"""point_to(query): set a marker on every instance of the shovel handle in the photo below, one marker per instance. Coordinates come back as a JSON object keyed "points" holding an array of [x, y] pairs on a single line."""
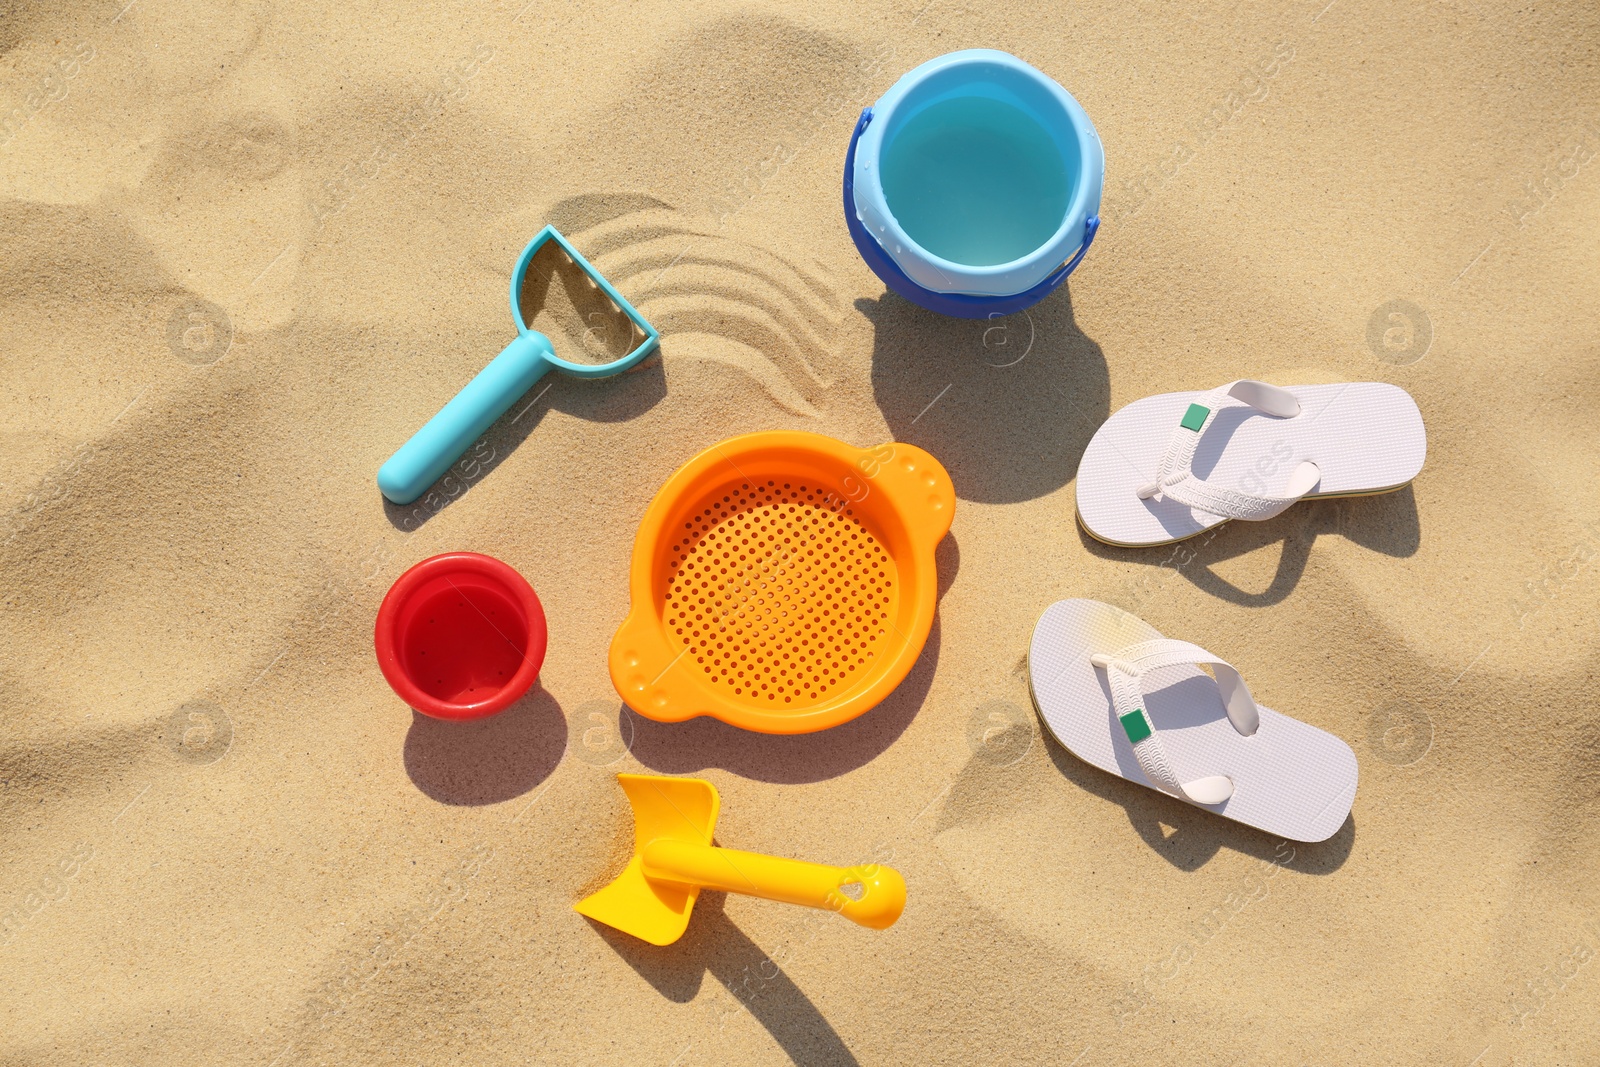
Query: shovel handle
{"points": [[814, 885]]}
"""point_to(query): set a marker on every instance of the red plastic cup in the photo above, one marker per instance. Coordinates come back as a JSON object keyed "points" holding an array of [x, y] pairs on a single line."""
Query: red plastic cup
{"points": [[461, 636]]}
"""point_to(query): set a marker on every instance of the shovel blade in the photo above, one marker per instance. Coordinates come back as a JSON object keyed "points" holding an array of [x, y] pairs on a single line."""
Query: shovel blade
{"points": [[635, 905], [683, 809]]}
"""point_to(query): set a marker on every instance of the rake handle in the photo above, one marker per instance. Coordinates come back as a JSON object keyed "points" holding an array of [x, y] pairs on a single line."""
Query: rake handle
{"points": [[431, 451], [813, 885]]}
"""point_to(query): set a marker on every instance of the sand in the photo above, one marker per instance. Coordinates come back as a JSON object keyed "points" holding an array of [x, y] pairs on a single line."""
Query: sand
{"points": [[250, 247]]}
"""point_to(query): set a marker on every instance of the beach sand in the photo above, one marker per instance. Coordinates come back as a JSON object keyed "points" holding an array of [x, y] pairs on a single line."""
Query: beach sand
{"points": [[250, 247]]}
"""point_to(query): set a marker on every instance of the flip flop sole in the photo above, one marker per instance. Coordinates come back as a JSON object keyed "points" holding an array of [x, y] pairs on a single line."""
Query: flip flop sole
{"points": [[1290, 778], [1366, 437], [1224, 522]]}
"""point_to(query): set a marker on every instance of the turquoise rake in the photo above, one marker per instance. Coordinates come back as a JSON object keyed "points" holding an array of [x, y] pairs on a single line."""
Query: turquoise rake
{"points": [[424, 459]]}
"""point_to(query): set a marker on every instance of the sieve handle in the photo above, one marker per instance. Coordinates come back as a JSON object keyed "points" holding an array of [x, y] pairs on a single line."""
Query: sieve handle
{"points": [[814, 885], [651, 674], [918, 484]]}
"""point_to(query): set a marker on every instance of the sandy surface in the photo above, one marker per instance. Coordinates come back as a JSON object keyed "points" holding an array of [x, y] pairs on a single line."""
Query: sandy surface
{"points": [[250, 247]]}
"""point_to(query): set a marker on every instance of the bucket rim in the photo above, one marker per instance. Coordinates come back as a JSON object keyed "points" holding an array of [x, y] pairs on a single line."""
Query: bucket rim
{"points": [[937, 273]]}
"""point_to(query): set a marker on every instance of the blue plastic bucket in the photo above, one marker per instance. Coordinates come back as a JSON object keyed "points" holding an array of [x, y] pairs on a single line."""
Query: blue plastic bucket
{"points": [[972, 187]]}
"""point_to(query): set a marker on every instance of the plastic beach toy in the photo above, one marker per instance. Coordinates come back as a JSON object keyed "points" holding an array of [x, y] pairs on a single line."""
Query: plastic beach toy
{"points": [[972, 186], [1120, 696], [422, 460], [782, 582], [460, 636], [673, 859]]}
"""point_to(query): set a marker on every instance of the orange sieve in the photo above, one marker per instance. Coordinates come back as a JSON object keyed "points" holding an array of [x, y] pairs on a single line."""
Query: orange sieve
{"points": [[782, 582]]}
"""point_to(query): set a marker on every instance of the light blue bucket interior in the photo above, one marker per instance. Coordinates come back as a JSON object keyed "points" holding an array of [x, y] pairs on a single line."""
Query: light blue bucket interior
{"points": [[979, 167]]}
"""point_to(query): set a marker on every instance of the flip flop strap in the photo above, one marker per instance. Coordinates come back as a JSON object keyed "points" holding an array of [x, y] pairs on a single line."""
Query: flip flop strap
{"points": [[1176, 480], [1125, 672]]}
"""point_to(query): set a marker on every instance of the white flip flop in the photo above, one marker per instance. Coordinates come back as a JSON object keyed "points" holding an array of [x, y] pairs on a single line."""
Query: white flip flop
{"points": [[1171, 466], [1123, 698]]}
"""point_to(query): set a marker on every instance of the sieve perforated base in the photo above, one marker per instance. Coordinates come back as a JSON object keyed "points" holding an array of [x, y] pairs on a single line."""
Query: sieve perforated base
{"points": [[780, 593]]}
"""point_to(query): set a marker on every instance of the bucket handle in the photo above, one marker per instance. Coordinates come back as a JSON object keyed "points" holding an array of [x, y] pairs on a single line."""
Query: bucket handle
{"points": [[1091, 226]]}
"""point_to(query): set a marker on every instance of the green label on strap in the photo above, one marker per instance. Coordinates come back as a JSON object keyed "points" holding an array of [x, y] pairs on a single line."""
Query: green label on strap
{"points": [[1194, 418], [1137, 726]]}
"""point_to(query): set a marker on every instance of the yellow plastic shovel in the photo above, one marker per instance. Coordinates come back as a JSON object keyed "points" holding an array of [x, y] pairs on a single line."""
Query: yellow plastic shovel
{"points": [[673, 859]]}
